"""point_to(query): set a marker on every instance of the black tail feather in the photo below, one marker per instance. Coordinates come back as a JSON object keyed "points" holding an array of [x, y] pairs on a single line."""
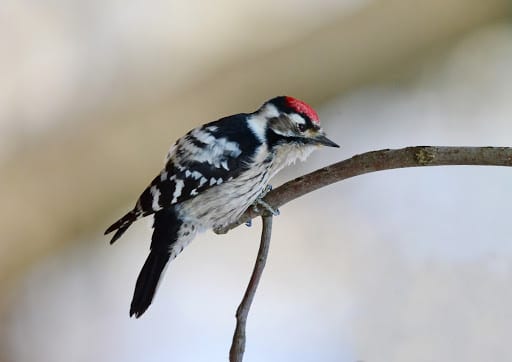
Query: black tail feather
{"points": [[147, 282], [121, 225], [165, 233]]}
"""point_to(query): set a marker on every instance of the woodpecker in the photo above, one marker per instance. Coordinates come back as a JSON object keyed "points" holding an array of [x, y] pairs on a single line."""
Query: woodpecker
{"points": [[212, 175]]}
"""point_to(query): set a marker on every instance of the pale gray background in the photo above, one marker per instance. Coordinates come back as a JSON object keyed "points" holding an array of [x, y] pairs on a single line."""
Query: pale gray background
{"points": [[403, 265]]}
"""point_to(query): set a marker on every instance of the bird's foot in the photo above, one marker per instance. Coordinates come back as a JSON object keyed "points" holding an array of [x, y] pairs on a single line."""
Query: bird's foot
{"points": [[265, 191], [265, 206]]}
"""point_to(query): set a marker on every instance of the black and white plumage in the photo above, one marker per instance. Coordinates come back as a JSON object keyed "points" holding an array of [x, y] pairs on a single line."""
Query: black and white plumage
{"points": [[212, 175]]}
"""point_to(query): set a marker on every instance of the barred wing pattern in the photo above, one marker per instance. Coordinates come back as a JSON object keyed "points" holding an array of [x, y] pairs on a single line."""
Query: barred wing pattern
{"points": [[189, 170]]}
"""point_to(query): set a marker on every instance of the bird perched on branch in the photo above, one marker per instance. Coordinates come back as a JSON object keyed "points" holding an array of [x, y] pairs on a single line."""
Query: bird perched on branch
{"points": [[212, 175]]}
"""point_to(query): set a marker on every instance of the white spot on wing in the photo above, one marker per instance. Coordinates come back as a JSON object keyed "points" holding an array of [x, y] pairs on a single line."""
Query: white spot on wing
{"points": [[163, 176], [225, 165], [197, 175], [217, 149], [202, 181], [155, 193], [213, 181], [203, 136], [193, 192], [177, 190]]}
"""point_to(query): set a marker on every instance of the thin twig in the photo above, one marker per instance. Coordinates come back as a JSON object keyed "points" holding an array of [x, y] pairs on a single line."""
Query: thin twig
{"points": [[418, 156], [236, 353]]}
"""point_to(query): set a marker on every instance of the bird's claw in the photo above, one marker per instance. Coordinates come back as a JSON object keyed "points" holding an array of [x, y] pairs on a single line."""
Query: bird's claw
{"points": [[265, 206], [265, 191]]}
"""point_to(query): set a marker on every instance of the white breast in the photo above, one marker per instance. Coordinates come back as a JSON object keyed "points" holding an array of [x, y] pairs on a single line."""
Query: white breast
{"points": [[225, 203], [289, 154]]}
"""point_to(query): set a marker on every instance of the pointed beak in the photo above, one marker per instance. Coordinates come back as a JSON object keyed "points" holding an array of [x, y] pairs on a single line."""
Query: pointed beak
{"points": [[324, 141]]}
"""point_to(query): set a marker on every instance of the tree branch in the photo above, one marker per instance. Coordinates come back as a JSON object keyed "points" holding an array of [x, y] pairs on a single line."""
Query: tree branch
{"points": [[236, 353], [418, 156]]}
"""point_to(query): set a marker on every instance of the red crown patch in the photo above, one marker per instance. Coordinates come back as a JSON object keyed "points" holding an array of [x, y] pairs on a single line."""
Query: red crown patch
{"points": [[304, 108]]}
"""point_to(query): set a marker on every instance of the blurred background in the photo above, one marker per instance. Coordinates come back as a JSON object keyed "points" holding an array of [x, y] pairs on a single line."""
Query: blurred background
{"points": [[403, 265]]}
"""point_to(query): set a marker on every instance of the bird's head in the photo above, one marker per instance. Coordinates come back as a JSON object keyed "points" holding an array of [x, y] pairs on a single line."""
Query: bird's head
{"points": [[292, 122]]}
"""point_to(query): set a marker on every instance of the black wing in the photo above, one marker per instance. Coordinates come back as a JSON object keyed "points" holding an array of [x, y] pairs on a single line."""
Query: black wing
{"points": [[205, 157]]}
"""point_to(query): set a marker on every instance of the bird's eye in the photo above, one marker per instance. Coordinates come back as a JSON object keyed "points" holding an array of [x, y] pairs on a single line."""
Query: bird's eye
{"points": [[302, 127]]}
